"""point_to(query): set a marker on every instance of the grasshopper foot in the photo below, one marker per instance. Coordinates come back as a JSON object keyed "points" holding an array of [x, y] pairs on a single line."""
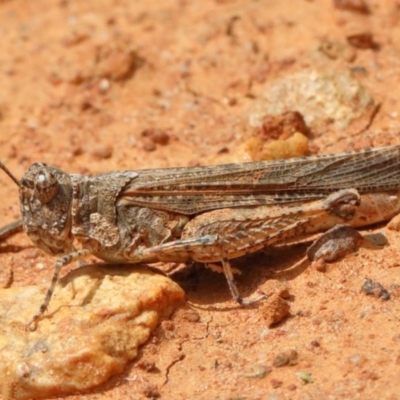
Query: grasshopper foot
{"points": [[234, 289], [33, 322], [250, 302]]}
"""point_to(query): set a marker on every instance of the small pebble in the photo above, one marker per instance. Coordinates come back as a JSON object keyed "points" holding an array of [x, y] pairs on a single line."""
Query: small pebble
{"points": [[151, 391], [104, 85], [374, 288], [258, 371], [335, 244], [157, 136], [285, 358], [363, 41], [149, 146], [359, 6], [168, 325], [191, 315], [275, 383], [275, 309], [101, 151], [146, 365]]}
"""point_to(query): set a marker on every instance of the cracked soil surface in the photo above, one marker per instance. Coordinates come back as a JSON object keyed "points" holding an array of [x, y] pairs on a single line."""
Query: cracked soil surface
{"points": [[101, 85]]}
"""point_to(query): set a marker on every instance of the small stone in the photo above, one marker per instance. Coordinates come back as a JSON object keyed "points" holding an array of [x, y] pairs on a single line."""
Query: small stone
{"points": [[101, 151], [335, 244], [257, 371], [275, 383], [191, 315], [257, 149], [104, 85], [285, 358], [86, 104], [282, 126], [378, 238], [168, 325], [149, 146], [146, 365], [76, 150], [363, 41], [116, 62], [275, 309], [337, 50], [157, 136], [359, 6], [151, 391], [374, 288]]}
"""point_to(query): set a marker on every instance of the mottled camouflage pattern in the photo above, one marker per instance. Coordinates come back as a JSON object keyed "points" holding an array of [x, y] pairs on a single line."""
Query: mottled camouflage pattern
{"points": [[206, 214]]}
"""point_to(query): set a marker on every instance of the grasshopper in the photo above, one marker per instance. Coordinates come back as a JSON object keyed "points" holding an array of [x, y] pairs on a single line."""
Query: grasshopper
{"points": [[206, 214]]}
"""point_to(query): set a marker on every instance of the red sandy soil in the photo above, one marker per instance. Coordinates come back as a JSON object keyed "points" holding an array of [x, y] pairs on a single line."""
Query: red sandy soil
{"points": [[100, 85]]}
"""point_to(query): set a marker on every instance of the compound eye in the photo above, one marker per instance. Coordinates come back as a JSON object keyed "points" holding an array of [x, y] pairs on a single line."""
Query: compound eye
{"points": [[27, 183], [46, 186], [27, 186]]}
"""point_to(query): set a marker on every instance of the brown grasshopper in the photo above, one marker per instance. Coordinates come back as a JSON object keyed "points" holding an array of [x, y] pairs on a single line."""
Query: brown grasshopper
{"points": [[206, 214]]}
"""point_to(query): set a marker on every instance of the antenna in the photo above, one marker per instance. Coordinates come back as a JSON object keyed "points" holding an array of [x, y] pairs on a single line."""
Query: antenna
{"points": [[8, 172]]}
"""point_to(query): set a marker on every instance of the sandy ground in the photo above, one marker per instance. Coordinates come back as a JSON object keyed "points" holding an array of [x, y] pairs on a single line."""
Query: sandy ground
{"points": [[105, 85]]}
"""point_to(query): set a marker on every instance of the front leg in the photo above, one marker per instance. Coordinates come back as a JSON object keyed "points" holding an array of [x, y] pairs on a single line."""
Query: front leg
{"points": [[61, 262], [225, 234]]}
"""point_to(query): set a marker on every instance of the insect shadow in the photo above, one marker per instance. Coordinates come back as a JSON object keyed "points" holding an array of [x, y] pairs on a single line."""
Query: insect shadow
{"points": [[283, 263], [204, 286]]}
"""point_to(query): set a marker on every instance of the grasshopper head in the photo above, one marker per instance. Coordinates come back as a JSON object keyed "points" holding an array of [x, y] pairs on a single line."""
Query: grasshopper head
{"points": [[45, 197]]}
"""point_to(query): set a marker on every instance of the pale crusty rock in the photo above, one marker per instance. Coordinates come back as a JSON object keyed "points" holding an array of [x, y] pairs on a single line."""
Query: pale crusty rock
{"points": [[97, 318], [336, 96]]}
